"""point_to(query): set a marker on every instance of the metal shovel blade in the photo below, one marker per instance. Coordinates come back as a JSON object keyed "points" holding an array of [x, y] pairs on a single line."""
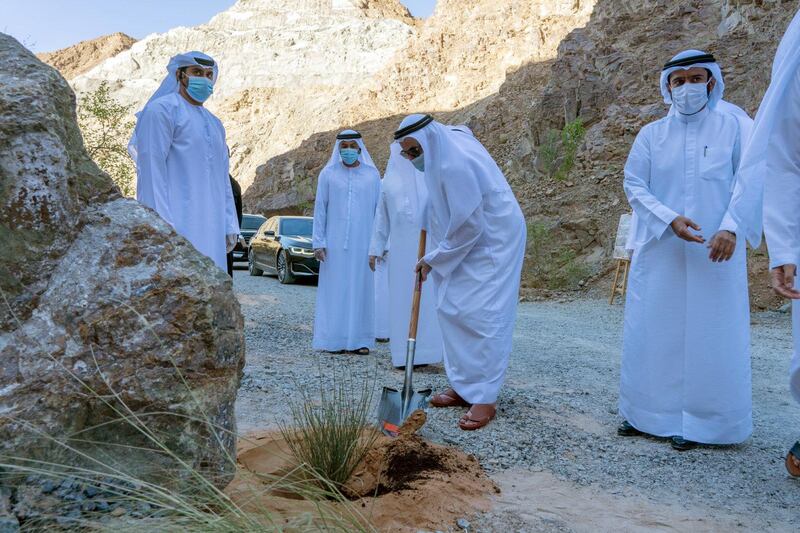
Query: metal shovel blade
{"points": [[392, 412]]}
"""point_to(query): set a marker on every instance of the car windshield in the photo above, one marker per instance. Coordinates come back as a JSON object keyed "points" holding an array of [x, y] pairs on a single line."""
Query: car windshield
{"points": [[252, 222], [296, 226]]}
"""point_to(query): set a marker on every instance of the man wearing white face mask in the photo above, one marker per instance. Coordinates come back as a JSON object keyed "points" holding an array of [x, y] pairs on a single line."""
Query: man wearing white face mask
{"points": [[686, 362], [344, 209], [182, 159]]}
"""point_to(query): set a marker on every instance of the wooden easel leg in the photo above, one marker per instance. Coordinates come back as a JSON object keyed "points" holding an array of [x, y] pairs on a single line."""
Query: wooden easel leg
{"points": [[625, 279], [614, 285]]}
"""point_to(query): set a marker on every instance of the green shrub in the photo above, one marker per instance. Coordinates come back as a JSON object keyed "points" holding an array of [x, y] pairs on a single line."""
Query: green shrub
{"points": [[557, 152], [106, 129]]}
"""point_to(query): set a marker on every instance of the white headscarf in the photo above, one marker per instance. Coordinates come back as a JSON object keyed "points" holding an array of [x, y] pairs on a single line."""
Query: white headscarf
{"points": [[336, 158], [719, 88], [747, 203], [450, 154], [170, 84], [402, 177]]}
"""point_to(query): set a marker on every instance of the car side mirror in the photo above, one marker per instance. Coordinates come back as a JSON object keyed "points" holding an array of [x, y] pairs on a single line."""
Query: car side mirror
{"points": [[270, 233]]}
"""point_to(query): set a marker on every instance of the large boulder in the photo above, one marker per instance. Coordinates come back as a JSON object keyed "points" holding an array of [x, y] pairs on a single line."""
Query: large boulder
{"points": [[109, 318]]}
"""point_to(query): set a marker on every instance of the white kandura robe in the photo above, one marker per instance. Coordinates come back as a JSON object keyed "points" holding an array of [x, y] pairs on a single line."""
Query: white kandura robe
{"points": [[382, 299], [769, 176], [686, 360], [344, 211], [182, 173], [478, 235], [399, 220], [782, 205]]}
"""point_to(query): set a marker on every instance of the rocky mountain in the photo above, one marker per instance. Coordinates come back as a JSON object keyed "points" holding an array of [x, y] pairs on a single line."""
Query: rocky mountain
{"points": [[604, 71], [288, 67], [85, 55], [522, 74]]}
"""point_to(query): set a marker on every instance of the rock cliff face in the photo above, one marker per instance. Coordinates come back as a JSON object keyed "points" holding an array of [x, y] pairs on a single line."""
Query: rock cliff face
{"points": [[103, 304], [85, 55], [603, 69], [515, 71], [288, 67]]}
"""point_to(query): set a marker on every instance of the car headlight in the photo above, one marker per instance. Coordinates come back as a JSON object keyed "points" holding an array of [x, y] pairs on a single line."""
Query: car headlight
{"points": [[301, 251]]}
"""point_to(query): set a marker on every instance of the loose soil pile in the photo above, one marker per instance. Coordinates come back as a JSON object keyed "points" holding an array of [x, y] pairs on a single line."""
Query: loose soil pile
{"points": [[403, 484]]}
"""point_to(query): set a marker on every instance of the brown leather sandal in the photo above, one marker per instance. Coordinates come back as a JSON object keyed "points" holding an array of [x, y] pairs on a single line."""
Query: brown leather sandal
{"points": [[793, 460], [448, 398], [470, 422]]}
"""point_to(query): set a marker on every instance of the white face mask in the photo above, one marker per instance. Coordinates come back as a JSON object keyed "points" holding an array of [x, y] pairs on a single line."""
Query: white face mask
{"points": [[690, 98]]}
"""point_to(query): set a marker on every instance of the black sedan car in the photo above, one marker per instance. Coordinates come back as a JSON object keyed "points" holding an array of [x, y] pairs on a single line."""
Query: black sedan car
{"points": [[250, 225], [282, 246]]}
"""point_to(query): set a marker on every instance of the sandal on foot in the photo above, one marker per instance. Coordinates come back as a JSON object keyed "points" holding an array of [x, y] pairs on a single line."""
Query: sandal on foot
{"points": [[794, 455], [360, 351], [448, 398], [470, 422], [627, 430], [681, 444]]}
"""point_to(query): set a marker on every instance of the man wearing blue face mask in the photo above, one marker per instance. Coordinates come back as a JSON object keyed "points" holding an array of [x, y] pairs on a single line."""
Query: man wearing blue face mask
{"points": [[182, 159], [348, 189], [686, 362]]}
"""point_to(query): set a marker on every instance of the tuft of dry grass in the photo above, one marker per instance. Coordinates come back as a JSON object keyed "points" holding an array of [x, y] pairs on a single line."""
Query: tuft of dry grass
{"points": [[330, 435]]}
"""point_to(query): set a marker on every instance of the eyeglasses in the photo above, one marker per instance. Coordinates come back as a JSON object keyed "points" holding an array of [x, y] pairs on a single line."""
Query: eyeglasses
{"points": [[412, 153]]}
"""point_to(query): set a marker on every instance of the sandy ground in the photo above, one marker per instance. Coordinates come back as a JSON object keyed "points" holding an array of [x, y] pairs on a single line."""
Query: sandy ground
{"points": [[553, 449]]}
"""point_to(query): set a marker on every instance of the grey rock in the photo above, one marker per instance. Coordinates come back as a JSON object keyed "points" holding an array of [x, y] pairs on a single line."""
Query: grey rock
{"points": [[463, 523], [146, 307]]}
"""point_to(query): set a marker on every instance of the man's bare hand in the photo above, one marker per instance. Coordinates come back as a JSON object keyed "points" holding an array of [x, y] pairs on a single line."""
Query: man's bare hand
{"points": [[423, 268], [372, 260], [681, 226], [722, 246], [320, 254], [783, 281]]}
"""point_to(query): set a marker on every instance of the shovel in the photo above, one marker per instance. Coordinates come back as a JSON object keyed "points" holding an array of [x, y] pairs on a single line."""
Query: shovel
{"points": [[396, 406]]}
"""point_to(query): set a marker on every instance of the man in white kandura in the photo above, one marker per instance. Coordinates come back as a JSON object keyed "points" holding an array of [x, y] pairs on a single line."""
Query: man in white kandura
{"points": [[399, 219], [771, 164], [347, 195], [686, 351], [478, 237], [182, 159]]}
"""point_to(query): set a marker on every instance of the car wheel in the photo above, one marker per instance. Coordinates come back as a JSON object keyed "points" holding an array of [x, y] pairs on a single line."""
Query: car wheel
{"points": [[284, 274], [251, 267]]}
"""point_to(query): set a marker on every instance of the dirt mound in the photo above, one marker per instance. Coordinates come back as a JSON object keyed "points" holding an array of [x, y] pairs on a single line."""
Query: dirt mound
{"points": [[404, 484], [82, 57]]}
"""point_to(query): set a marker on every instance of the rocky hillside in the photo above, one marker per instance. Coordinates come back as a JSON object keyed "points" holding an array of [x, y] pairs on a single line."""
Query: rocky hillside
{"points": [[518, 72], [288, 67], [605, 73], [86, 55]]}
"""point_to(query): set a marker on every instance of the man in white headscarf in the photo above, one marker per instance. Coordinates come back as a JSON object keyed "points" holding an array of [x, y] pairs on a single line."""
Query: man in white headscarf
{"points": [[399, 219], [344, 210], [770, 170], [182, 159], [686, 362], [478, 234]]}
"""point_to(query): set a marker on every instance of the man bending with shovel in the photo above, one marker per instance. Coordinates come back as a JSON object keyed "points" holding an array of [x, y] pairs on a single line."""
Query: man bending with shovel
{"points": [[478, 236]]}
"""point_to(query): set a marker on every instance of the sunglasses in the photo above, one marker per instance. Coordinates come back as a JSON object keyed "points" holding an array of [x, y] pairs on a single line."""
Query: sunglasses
{"points": [[412, 153]]}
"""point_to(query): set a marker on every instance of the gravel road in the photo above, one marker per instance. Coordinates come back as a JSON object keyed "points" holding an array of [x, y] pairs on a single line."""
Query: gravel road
{"points": [[553, 448]]}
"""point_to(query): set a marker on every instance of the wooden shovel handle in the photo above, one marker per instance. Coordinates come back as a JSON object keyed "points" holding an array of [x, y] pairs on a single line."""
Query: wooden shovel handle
{"points": [[412, 328]]}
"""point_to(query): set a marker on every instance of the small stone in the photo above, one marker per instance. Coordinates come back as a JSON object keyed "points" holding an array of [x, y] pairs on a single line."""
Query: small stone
{"points": [[91, 492], [119, 511], [463, 523]]}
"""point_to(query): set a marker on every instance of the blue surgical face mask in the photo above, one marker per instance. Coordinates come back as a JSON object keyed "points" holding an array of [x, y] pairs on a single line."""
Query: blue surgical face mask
{"points": [[349, 155], [200, 89], [419, 162]]}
